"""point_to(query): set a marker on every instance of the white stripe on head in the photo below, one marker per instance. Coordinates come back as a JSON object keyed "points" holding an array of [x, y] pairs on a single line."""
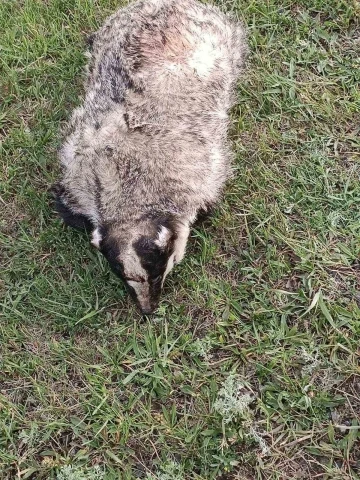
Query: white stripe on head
{"points": [[163, 237]]}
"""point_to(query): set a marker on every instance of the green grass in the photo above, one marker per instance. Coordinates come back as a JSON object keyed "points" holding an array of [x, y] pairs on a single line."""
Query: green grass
{"points": [[266, 303]]}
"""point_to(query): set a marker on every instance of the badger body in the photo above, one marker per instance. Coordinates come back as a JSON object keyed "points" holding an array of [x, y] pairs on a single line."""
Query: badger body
{"points": [[148, 150]]}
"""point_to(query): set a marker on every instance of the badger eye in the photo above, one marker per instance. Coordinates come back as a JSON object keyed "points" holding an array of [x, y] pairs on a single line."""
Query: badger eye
{"points": [[135, 279]]}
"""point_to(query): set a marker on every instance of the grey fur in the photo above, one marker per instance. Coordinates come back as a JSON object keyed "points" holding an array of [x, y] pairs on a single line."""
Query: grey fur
{"points": [[148, 148]]}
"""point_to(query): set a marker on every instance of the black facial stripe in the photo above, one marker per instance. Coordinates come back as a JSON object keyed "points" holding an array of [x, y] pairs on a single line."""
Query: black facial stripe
{"points": [[152, 258], [109, 247]]}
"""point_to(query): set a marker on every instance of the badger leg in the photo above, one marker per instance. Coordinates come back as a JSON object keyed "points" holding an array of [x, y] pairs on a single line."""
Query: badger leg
{"points": [[64, 208]]}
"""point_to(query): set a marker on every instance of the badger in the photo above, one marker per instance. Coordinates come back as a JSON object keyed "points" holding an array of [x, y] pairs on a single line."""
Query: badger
{"points": [[147, 150]]}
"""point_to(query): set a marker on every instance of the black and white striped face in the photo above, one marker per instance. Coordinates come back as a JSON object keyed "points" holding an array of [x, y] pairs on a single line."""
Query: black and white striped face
{"points": [[142, 262]]}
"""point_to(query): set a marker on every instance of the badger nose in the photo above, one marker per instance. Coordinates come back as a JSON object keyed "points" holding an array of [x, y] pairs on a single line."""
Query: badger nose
{"points": [[148, 306], [148, 311]]}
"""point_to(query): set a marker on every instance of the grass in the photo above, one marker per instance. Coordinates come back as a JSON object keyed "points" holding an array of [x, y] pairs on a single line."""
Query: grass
{"points": [[250, 370]]}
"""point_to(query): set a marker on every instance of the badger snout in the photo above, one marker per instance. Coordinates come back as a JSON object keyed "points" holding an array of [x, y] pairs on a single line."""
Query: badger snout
{"points": [[148, 311], [148, 307], [146, 297]]}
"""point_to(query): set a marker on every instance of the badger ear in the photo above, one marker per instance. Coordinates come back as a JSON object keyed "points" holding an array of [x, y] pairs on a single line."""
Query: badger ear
{"points": [[167, 231], [164, 235], [96, 238]]}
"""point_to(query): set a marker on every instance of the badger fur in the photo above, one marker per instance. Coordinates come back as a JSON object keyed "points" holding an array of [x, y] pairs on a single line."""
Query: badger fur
{"points": [[148, 150]]}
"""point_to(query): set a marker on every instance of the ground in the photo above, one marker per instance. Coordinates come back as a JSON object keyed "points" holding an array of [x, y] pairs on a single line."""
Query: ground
{"points": [[250, 369]]}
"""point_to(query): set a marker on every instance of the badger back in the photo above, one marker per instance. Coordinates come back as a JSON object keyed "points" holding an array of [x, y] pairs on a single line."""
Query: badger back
{"points": [[181, 53], [154, 121]]}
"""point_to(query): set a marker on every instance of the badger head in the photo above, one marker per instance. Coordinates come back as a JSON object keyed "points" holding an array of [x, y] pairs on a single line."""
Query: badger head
{"points": [[142, 255]]}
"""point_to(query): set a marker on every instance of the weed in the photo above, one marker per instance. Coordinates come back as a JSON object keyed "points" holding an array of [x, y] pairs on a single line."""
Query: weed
{"points": [[268, 292]]}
